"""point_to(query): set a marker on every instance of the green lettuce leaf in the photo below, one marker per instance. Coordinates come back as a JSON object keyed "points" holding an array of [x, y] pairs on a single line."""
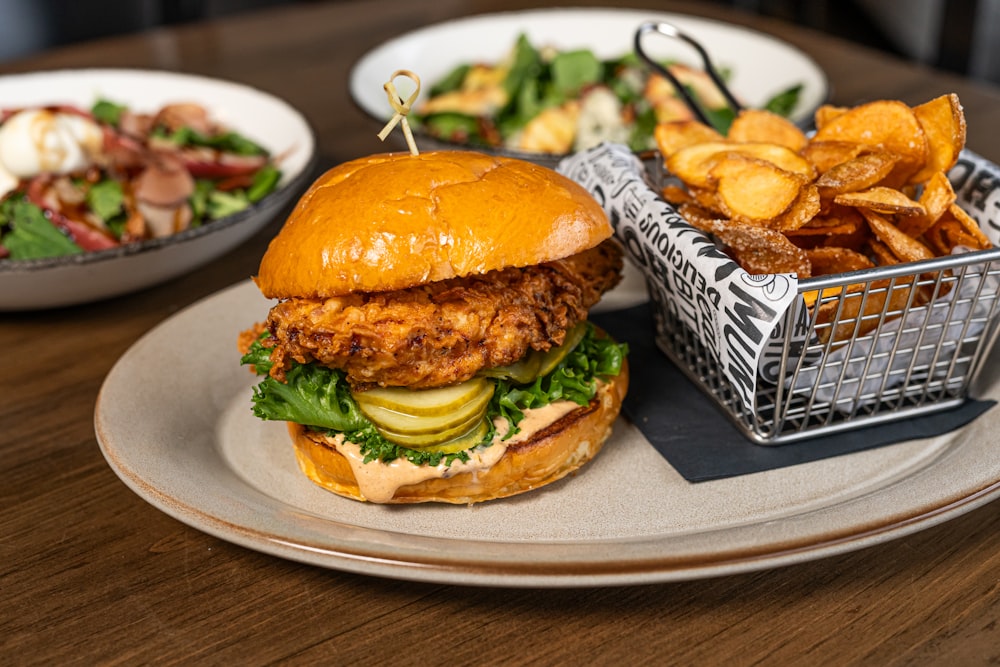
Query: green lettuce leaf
{"points": [[311, 395], [31, 234], [574, 379]]}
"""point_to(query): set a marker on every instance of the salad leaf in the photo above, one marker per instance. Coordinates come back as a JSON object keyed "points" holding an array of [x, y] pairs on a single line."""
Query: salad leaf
{"points": [[108, 112], [574, 70], [199, 198], [720, 119], [222, 203], [264, 182], [784, 102], [522, 87], [454, 127], [228, 142], [452, 80], [106, 199], [642, 130], [31, 234]]}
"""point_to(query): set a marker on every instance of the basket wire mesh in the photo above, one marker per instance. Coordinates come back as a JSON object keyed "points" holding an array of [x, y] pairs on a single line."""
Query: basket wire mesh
{"points": [[863, 348]]}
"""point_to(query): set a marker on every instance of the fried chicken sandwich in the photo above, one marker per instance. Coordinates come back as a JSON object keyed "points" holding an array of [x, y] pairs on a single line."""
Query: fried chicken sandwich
{"points": [[430, 339]]}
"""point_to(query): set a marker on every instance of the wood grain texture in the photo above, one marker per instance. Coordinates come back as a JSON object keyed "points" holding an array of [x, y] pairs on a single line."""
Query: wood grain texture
{"points": [[89, 573]]}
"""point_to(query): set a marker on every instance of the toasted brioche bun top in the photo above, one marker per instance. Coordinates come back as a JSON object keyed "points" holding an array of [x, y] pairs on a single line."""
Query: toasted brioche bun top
{"points": [[394, 221]]}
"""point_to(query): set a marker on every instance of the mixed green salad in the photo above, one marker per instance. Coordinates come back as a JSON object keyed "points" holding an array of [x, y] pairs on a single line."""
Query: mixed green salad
{"points": [[552, 101], [78, 180]]}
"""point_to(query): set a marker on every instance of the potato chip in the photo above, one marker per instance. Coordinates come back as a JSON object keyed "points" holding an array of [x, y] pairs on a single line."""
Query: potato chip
{"points": [[857, 173], [881, 200], [827, 260], [857, 239], [970, 227], [708, 199], [758, 125], [805, 207], [837, 220], [675, 194], [882, 253], [824, 155], [699, 217], [887, 124], [761, 250], [692, 163], [943, 123], [674, 135], [937, 196], [827, 113], [753, 190], [906, 248], [956, 228], [868, 189]]}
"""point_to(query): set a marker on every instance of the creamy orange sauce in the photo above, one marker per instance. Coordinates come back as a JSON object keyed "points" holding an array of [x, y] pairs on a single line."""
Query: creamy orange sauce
{"points": [[378, 481], [534, 421]]}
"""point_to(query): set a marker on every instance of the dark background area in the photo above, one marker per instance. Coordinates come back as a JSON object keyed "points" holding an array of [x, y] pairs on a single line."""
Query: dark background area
{"points": [[957, 35]]}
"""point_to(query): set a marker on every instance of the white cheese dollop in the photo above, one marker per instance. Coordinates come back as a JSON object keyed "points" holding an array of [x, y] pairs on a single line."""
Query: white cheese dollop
{"points": [[8, 181], [34, 141]]}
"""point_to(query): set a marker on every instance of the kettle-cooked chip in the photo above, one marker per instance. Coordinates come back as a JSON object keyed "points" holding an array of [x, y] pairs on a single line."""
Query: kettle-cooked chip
{"points": [[826, 113], [753, 190], [824, 155], [881, 200], [692, 164], [758, 125], [674, 135], [868, 189], [906, 248], [761, 250], [857, 173], [937, 196], [943, 123], [887, 124], [826, 260], [956, 228]]}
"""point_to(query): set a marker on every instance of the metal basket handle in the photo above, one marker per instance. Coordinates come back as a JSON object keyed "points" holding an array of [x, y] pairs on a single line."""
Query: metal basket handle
{"points": [[668, 30]]}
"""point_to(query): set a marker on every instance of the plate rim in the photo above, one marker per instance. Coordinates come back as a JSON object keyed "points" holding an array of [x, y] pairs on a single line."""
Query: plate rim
{"points": [[361, 557]]}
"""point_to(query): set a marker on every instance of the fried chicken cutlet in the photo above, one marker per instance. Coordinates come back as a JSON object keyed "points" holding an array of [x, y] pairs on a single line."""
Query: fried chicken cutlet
{"points": [[442, 332]]}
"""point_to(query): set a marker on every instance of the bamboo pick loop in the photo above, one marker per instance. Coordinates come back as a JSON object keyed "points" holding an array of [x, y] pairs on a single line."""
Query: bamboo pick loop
{"points": [[401, 107]]}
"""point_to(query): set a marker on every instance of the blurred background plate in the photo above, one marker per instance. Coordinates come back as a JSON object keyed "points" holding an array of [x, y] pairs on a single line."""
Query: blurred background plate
{"points": [[760, 66], [268, 120]]}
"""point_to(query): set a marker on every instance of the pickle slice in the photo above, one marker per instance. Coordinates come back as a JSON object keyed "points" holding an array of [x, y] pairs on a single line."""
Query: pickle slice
{"points": [[555, 355], [425, 402], [404, 424], [448, 442], [519, 372], [536, 364], [466, 441]]}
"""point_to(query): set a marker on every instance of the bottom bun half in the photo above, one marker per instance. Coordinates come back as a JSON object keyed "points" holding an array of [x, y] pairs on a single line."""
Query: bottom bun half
{"points": [[549, 454]]}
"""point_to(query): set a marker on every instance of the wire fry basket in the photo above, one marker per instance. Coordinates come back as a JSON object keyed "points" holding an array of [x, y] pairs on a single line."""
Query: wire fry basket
{"points": [[860, 348]]}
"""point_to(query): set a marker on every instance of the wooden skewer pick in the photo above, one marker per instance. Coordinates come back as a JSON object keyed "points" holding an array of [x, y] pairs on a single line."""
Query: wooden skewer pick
{"points": [[401, 107]]}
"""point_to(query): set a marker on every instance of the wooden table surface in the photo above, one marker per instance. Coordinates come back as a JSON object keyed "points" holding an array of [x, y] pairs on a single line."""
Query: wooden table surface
{"points": [[90, 573]]}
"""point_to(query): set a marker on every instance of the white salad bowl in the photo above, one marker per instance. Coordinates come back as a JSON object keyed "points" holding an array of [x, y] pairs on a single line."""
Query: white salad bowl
{"points": [[269, 121]]}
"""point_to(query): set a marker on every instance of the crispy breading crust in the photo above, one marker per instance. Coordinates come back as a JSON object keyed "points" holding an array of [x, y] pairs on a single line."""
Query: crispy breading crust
{"points": [[443, 332]]}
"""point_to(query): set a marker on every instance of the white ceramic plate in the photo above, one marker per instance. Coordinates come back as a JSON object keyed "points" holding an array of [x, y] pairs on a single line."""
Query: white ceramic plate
{"points": [[268, 120], [188, 444], [761, 65]]}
